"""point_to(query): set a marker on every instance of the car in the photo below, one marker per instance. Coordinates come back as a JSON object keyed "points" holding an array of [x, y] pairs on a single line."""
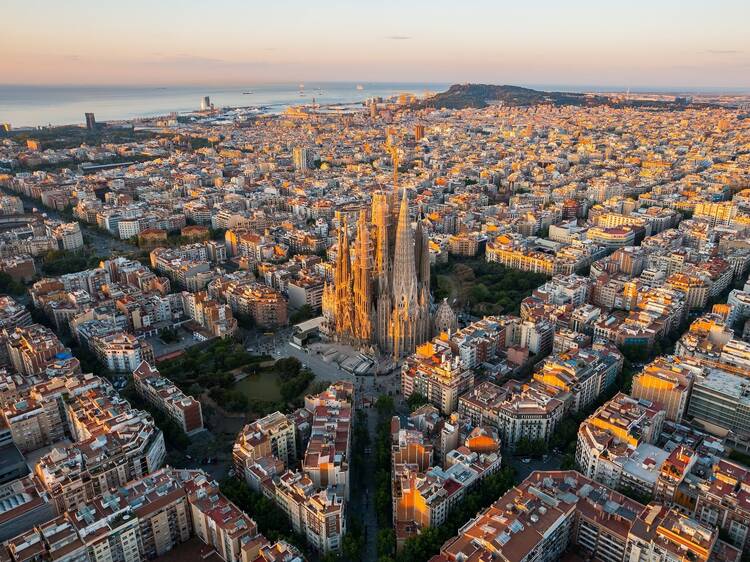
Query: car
{"points": [[526, 460]]}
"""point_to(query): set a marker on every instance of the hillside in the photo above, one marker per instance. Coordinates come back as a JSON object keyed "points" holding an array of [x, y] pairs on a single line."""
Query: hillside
{"points": [[460, 96]]}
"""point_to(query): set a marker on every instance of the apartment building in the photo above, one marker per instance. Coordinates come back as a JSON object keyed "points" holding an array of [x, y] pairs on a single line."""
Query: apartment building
{"points": [[720, 402], [507, 252], [215, 317], [147, 518], [35, 415], [584, 373], [162, 393], [317, 514], [306, 291], [314, 498], [122, 352], [424, 495], [23, 504], [265, 305], [326, 459], [549, 512], [517, 410], [615, 236], [34, 423], [478, 342], [12, 315], [112, 444], [722, 502], [668, 381], [31, 348], [273, 435], [436, 373], [615, 444]]}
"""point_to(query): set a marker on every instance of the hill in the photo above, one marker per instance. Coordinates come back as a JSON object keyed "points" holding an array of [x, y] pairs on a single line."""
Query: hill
{"points": [[460, 96]]}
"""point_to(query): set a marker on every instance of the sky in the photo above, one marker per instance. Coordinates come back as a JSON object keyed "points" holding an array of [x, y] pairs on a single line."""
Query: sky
{"points": [[655, 43]]}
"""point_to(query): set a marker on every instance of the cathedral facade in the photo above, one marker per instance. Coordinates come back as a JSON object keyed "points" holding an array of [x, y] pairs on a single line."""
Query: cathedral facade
{"points": [[381, 290]]}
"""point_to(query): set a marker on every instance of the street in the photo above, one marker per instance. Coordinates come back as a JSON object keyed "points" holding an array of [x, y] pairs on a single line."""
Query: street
{"points": [[362, 499], [523, 469]]}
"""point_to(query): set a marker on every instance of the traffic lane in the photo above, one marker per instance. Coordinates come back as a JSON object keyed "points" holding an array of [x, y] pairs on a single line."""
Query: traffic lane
{"points": [[523, 469]]}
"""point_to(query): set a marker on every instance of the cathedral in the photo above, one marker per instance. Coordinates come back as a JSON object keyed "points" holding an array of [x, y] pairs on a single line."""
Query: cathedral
{"points": [[381, 289]]}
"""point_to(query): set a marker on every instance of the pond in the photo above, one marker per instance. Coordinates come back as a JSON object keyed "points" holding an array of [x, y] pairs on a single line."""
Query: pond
{"points": [[263, 386]]}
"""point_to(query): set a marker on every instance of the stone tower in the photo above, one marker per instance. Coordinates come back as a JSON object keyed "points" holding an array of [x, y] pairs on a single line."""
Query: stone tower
{"points": [[362, 283], [344, 302], [404, 317]]}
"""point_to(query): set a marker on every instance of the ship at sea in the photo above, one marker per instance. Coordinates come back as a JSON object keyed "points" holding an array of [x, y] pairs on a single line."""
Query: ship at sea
{"points": [[360, 87]]}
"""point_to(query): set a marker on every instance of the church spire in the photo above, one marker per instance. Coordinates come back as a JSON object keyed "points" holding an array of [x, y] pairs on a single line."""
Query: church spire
{"points": [[380, 219], [404, 271], [343, 281], [362, 283]]}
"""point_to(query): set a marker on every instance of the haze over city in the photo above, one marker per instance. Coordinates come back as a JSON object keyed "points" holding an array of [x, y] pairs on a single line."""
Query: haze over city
{"points": [[295, 281], [641, 44]]}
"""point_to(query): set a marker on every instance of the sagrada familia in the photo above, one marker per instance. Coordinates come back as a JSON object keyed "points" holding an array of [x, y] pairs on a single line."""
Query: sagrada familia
{"points": [[382, 295]]}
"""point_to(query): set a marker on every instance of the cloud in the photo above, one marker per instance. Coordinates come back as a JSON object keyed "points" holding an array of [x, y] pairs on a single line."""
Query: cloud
{"points": [[183, 58], [723, 52], [398, 37]]}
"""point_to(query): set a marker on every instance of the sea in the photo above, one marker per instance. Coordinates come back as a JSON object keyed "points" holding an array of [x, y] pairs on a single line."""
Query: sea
{"points": [[34, 106]]}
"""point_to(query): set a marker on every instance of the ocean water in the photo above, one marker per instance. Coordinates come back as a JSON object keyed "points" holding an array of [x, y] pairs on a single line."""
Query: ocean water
{"points": [[62, 105]]}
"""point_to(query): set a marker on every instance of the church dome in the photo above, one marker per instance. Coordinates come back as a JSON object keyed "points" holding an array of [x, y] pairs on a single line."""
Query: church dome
{"points": [[445, 319]]}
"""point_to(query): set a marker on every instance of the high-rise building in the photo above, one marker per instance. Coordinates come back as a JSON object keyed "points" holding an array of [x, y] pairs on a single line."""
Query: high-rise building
{"points": [[418, 132], [90, 121], [302, 158]]}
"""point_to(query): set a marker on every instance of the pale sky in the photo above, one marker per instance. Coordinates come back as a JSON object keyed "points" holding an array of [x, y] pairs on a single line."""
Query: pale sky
{"points": [[655, 43]]}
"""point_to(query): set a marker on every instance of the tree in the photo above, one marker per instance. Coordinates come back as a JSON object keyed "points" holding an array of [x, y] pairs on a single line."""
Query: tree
{"points": [[169, 335], [568, 462], [416, 400], [385, 406], [354, 541], [636, 353], [10, 285], [386, 542], [60, 262], [288, 367], [292, 388], [272, 521], [305, 312], [480, 293], [530, 447]]}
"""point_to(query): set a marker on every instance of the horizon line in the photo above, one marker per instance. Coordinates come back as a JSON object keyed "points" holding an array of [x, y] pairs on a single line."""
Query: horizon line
{"points": [[640, 88]]}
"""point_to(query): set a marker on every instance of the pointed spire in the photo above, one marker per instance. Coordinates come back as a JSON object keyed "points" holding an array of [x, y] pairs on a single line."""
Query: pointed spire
{"points": [[362, 282], [343, 282], [404, 271]]}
